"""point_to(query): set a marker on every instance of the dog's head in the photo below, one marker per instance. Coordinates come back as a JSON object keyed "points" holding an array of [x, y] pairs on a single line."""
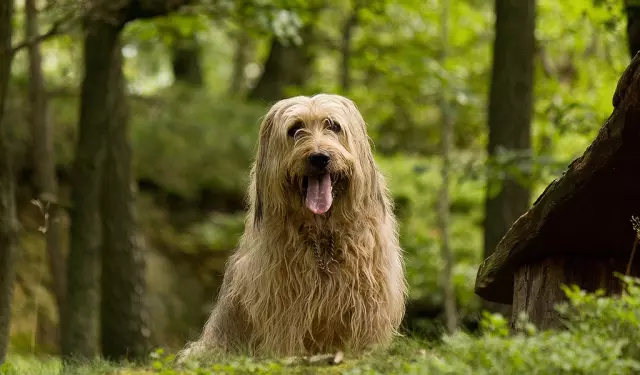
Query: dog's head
{"points": [[312, 152]]}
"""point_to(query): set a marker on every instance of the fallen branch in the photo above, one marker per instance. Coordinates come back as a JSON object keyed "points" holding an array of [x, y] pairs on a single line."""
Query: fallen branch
{"points": [[636, 227], [633, 253]]}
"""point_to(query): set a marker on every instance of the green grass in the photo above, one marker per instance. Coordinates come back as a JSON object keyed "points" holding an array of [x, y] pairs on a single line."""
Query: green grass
{"points": [[402, 352], [494, 353], [602, 337]]}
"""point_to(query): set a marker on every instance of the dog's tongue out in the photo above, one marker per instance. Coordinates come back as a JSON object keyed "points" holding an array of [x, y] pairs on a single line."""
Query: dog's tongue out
{"points": [[319, 197]]}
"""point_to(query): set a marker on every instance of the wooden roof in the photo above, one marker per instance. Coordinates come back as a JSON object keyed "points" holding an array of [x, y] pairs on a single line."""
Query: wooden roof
{"points": [[585, 212]]}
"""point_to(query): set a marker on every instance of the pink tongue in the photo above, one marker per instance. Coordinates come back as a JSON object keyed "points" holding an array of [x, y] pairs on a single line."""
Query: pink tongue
{"points": [[319, 196]]}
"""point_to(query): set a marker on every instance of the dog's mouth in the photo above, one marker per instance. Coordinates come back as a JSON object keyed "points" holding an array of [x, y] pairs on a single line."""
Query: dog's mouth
{"points": [[318, 191]]}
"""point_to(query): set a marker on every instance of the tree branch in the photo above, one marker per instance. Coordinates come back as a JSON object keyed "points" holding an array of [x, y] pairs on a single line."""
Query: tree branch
{"points": [[54, 30], [59, 27], [137, 9]]}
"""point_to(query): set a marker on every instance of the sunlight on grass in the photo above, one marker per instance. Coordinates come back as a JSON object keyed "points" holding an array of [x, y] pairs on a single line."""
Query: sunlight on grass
{"points": [[402, 351], [18, 364]]}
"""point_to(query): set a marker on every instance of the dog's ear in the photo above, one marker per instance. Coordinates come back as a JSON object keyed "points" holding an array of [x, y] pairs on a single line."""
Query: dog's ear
{"points": [[259, 170], [365, 148], [376, 180], [378, 187]]}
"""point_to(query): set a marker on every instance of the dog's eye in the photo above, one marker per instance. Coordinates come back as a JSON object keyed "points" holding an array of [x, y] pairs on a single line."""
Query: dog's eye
{"points": [[334, 126], [294, 129]]}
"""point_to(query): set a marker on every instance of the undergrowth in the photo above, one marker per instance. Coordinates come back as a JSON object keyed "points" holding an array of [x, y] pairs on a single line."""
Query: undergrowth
{"points": [[602, 337]]}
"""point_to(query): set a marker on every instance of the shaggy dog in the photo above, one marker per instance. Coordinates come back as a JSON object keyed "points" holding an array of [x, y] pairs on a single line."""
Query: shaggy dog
{"points": [[319, 267]]}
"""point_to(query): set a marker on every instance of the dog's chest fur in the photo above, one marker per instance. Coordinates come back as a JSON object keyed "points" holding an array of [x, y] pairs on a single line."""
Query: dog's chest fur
{"points": [[329, 282]]}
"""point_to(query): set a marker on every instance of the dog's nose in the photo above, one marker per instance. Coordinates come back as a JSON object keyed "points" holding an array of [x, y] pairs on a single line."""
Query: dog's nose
{"points": [[319, 160]]}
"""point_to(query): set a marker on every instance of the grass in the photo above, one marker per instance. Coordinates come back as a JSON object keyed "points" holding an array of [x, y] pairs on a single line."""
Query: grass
{"points": [[389, 361], [602, 337]]}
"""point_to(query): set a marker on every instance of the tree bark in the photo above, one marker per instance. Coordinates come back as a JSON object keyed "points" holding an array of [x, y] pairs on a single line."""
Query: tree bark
{"points": [[79, 324], [186, 60], [124, 333], [8, 219], [287, 65], [44, 157], [510, 115], [633, 26], [448, 286]]}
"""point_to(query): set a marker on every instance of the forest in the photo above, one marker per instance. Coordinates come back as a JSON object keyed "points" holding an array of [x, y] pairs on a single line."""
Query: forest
{"points": [[128, 129]]}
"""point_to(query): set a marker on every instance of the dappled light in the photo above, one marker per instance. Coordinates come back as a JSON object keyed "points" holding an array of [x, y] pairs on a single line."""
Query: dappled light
{"points": [[463, 204]]}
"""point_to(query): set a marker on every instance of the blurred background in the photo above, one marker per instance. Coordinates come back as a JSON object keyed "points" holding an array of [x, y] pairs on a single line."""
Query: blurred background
{"points": [[199, 77]]}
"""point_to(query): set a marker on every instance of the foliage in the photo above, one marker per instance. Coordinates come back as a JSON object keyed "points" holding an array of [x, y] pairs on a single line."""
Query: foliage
{"points": [[194, 144], [186, 148], [602, 338], [414, 183]]}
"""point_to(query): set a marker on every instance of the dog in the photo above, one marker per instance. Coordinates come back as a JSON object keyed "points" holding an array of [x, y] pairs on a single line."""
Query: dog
{"points": [[319, 267]]}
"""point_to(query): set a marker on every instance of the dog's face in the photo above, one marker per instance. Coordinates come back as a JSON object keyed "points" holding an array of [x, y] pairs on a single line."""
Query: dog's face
{"points": [[318, 162], [312, 152]]}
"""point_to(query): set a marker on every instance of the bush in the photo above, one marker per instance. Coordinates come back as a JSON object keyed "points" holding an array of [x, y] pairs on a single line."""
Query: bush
{"points": [[602, 337]]}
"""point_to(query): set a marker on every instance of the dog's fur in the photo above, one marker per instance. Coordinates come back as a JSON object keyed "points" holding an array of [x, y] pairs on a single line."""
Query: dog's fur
{"points": [[275, 299]]}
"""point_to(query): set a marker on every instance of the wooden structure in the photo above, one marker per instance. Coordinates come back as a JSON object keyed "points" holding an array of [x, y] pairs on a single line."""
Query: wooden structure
{"points": [[579, 230]]}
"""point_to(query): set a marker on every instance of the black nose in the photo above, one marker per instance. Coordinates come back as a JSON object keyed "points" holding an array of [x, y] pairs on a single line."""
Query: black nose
{"points": [[319, 160]]}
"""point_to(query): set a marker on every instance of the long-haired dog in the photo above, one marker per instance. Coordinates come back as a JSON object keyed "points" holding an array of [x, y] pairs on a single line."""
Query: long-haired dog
{"points": [[319, 267]]}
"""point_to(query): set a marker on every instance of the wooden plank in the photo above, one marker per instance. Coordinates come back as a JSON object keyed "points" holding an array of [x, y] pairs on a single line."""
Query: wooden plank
{"points": [[538, 289]]}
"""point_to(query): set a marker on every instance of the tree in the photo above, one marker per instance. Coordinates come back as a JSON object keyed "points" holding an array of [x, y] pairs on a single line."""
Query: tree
{"points": [[79, 330], [186, 59], [8, 220], [449, 292], [123, 266], [346, 46], [633, 26], [44, 158], [240, 60], [103, 157], [288, 64], [510, 114]]}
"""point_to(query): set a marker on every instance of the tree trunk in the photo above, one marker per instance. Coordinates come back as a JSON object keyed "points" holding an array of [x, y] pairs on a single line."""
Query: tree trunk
{"points": [[448, 286], [102, 104], [633, 26], [44, 157], [240, 59], [287, 65], [347, 40], [8, 219], [124, 333], [510, 114], [186, 60], [79, 324]]}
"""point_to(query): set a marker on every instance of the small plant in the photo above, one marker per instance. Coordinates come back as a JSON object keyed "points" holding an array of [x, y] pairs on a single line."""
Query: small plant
{"points": [[162, 362]]}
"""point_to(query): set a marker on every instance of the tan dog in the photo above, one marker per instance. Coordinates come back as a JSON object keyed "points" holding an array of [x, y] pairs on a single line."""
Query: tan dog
{"points": [[319, 267]]}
